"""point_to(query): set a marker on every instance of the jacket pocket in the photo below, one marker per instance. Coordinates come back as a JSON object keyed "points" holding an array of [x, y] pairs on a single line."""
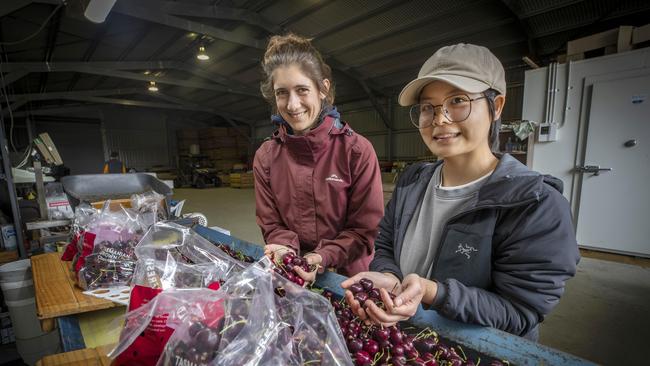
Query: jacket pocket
{"points": [[466, 257]]}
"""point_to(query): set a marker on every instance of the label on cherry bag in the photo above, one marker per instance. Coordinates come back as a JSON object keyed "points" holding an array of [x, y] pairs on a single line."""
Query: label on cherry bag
{"points": [[86, 250], [149, 345], [71, 249], [147, 348]]}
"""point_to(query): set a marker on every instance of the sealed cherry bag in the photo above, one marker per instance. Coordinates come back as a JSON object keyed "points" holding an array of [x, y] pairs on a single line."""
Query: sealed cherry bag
{"points": [[267, 321], [107, 250]]}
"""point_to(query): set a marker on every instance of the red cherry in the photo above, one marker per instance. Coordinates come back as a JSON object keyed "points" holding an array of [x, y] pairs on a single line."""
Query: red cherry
{"points": [[299, 281], [361, 297], [287, 259], [382, 334], [371, 346], [355, 287], [355, 345], [362, 358], [366, 283]]}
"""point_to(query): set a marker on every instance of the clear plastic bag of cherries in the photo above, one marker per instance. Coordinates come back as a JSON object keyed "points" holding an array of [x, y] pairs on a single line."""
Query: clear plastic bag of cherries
{"points": [[107, 248], [174, 256], [255, 318]]}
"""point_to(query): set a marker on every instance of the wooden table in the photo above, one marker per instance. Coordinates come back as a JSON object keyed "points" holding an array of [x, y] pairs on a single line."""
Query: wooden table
{"points": [[82, 357], [59, 299]]}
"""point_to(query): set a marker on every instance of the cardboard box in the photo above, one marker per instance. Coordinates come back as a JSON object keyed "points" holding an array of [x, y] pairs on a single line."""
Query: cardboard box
{"points": [[114, 205], [242, 180], [225, 153], [388, 177]]}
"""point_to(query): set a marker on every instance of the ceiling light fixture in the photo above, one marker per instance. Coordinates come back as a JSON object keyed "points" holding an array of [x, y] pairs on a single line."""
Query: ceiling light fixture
{"points": [[152, 86], [97, 10], [202, 55], [530, 62]]}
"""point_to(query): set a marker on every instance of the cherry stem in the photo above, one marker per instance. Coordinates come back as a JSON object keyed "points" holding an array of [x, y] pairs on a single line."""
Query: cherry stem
{"points": [[232, 325], [463, 352]]}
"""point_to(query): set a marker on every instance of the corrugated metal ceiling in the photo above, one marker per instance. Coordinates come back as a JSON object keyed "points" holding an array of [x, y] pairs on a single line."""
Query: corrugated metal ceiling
{"points": [[383, 42]]}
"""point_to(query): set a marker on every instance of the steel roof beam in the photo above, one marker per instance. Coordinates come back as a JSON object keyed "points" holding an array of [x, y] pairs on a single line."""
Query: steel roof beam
{"points": [[437, 39], [155, 14], [361, 42], [12, 77], [9, 6], [68, 94], [213, 12], [116, 69], [98, 96]]}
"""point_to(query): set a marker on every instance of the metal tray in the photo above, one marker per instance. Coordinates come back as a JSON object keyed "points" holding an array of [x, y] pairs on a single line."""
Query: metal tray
{"points": [[99, 187]]}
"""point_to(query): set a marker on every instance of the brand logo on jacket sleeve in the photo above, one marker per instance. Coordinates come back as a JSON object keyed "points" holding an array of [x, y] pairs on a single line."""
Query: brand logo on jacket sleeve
{"points": [[465, 249], [334, 178]]}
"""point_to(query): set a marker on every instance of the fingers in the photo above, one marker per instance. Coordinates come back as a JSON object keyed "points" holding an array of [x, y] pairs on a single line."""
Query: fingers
{"points": [[353, 279], [379, 316], [388, 302], [313, 258], [408, 294], [307, 276], [412, 292], [355, 306], [276, 251]]}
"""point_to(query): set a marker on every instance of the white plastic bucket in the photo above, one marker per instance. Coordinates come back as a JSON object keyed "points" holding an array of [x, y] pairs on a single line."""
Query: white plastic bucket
{"points": [[18, 290], [31, 350]]}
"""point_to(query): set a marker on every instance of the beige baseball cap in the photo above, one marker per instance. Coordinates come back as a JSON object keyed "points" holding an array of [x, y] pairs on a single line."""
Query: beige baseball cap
{"points": [[468, 67]]}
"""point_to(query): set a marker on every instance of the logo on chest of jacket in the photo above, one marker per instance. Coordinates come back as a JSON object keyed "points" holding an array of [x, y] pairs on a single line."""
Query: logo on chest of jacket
{"points": [[465, 249], [334, 178]]}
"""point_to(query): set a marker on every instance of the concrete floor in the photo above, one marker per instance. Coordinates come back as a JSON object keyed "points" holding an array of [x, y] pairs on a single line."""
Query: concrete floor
{"points": [[603, 317]]}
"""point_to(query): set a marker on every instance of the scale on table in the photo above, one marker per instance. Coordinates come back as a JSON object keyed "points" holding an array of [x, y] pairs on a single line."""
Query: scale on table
{"points": [[44, 155]]}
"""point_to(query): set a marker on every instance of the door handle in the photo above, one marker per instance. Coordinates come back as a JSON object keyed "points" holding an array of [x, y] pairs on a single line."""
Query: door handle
{"points": [[594, 169]]}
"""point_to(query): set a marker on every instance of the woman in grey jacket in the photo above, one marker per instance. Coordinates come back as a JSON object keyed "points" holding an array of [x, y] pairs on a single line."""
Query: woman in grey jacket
{"points": [[478, 237]]}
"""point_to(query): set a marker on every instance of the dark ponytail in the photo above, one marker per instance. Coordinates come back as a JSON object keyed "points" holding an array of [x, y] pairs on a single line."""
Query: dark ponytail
{"points": [[493, 137]]}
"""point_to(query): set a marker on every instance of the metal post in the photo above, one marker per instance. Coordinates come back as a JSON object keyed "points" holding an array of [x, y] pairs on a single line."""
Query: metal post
{"points": [[40, 189], [11, 189], [389, 148], [30, 129]]}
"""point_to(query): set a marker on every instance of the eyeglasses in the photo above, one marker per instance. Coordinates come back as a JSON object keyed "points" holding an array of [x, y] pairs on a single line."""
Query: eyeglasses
{"points": [[455, 108]]}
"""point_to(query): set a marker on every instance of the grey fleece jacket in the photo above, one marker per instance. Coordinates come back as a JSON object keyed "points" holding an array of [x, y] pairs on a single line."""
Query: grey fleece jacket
{"points": [[503, 259]]}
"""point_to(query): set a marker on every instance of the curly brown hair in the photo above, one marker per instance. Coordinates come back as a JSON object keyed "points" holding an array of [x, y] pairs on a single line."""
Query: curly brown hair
{"points": [[292, 49]]}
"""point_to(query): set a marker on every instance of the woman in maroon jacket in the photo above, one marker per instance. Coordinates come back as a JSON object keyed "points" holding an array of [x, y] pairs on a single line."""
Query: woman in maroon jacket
{"points": [[317, 183]]}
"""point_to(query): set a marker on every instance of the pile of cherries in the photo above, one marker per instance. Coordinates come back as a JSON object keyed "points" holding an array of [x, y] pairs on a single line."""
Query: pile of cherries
{"points": [[235, 253], [201, 344], [198, 350], [285, 265], [373, 345], [111, 264]]}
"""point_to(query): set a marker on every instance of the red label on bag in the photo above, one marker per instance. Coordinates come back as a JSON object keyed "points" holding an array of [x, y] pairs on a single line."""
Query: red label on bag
{"points": [[86, 250], [71, 249], [147, 348]]}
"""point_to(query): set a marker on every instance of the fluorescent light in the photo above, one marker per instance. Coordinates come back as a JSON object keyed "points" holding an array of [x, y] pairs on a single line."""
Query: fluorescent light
{"points": [[97, 10], [202, 55], [152, 86], [530, 62]]}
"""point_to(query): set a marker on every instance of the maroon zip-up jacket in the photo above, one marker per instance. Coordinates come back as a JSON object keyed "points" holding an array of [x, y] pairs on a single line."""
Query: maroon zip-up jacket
{"points": [[320, 192]]}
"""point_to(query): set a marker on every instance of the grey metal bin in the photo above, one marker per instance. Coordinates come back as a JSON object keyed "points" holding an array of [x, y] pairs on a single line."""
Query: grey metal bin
{"points": [[99, 187]]}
